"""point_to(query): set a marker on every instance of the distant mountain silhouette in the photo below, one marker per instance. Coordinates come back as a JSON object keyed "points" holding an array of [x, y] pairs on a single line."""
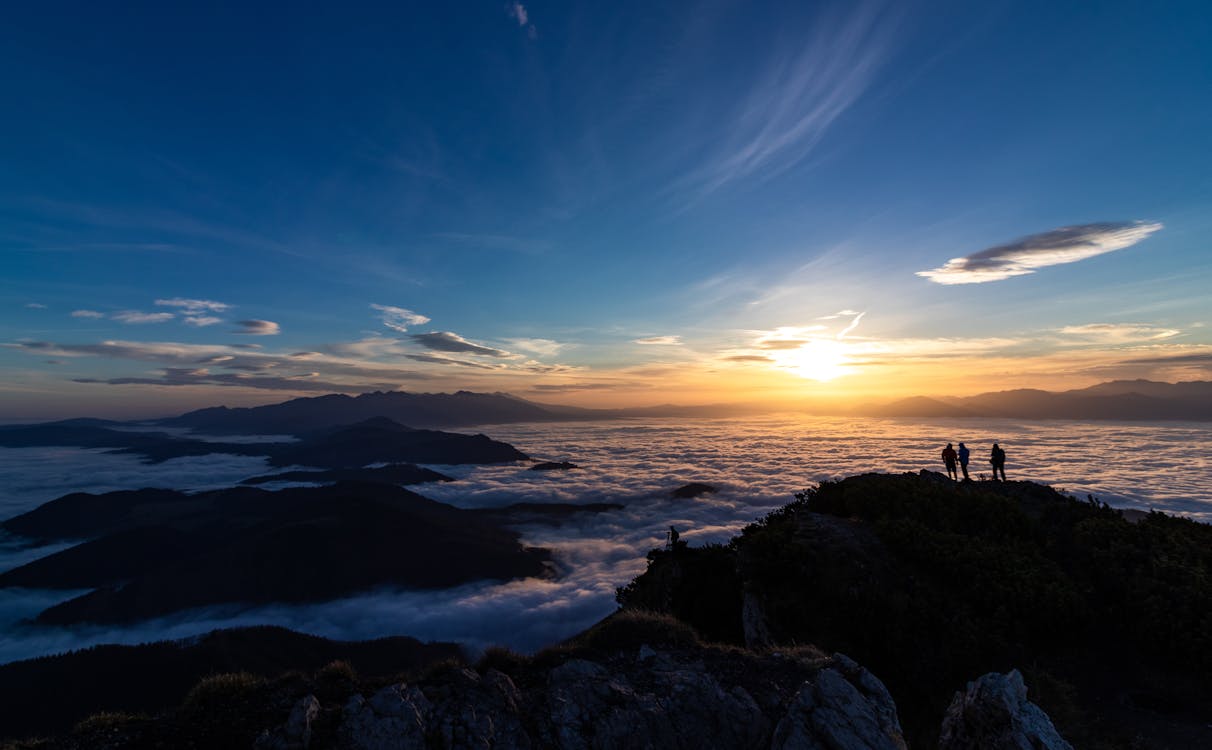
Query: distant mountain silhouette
{"points": [[161, 551], [393, 474], [1127, 400], [375, 440], [1119, 400], [919, 406], [302, 415]]}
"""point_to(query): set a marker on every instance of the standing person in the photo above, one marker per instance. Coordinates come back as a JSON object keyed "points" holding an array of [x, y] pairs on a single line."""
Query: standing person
{"points": [[949, 457], [963, 461], [997, 457]]}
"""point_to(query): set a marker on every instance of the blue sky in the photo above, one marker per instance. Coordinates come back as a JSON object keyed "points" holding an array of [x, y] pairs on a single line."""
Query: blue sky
{"points": [[599, 203]]}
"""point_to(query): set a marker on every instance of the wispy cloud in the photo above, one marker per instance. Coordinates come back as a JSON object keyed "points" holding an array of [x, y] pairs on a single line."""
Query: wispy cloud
{"points": [[445, 341], [1119, 332], [137, 317], [172, 376], [258, 328], [541, 347], [35, 306], [803, 91], [660, 341], [201, 321], [194, 306], [399, 318], [87, 314], [1026, 255], [518, 12]]}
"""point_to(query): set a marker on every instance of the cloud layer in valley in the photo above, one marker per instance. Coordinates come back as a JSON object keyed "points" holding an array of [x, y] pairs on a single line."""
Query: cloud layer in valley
{"points": [[756, 463]]}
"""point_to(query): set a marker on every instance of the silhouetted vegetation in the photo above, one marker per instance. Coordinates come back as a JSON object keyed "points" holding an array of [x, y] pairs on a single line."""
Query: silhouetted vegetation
{"points": [[930, 584], [50, 694]]}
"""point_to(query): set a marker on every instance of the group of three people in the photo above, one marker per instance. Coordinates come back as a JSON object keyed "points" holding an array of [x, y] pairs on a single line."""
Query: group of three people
{"points": [[997, 459]]}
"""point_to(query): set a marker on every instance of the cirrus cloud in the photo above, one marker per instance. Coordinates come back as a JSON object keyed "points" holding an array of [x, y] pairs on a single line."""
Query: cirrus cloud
{"points": [[87, 314], [1026, 255]]}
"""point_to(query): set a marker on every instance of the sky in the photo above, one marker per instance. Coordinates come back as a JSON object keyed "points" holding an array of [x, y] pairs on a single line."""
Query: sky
{"points": [[599, 204]]}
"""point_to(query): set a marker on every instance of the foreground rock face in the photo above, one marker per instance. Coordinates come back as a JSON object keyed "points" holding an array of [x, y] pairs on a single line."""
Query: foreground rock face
{"points": [[993, 712], [636, 698]]}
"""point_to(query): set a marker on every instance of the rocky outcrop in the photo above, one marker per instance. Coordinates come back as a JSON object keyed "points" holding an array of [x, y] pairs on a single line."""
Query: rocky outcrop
{"points": [[554, 466], [993, 713], [645, 697], [295, 734], [692, 490]]}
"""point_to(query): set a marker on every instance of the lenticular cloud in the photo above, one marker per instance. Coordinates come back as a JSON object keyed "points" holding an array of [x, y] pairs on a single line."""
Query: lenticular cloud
{"points": [[1024, 256]]}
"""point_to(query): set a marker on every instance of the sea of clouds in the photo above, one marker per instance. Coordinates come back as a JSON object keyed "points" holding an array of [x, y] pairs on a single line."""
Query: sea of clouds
{"points": [[756, 464]]}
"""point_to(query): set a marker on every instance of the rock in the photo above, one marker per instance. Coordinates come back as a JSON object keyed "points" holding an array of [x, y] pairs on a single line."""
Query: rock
{"points": [[845, 706], [993, 712], [753, 621], [295, 734], [464, 711], [692, 490], [393, 719], [553, 466], [681, 698]]}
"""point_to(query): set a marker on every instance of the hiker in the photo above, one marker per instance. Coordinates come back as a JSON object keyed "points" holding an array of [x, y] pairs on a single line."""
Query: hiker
{"points": [[963, 460], [949, 457], [997, 458]]}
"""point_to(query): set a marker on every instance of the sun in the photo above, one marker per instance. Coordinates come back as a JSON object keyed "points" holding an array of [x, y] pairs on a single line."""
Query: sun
{"points": [[820, 359]]}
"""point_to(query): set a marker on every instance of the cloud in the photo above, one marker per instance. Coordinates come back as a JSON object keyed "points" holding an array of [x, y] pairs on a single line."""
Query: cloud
{"points": [[433, 359], [517, 11], [258, 328], [399, 318], [1119, 332], [786, 112], [173, 376], [35, 305], [194, 306], [575, 387], [1024, 256], [853, 324], [87, 314], [540, 347], [445, 341], [136, 317], [201, 321], [755, 464], [749, 358], [660, 341]]}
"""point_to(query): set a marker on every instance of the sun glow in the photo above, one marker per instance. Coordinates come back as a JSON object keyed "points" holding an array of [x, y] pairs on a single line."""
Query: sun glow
{"points": [[820, 359]]}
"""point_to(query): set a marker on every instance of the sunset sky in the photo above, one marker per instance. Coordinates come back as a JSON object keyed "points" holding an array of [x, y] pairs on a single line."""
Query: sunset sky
{"points": [[599, 203]]}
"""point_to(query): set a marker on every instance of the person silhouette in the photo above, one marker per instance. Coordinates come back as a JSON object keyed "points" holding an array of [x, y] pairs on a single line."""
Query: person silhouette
{"points": [[673, 538], [949, 458], [997, 459], [963, 453]]}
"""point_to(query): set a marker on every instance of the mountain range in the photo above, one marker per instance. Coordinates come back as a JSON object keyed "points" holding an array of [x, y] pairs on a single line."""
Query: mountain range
{"points": [[1118, 400]]}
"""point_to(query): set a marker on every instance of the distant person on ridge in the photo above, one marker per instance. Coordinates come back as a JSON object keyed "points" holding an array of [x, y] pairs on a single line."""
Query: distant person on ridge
{"points": [[963, 460], [949, 458], [997, 458]]}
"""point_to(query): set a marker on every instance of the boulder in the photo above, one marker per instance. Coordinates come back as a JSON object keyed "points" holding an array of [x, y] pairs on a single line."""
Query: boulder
{"points": [[993, 713]]}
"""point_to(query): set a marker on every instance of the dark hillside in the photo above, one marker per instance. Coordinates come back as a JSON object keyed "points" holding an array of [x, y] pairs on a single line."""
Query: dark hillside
{"points": [[930, 583]]}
